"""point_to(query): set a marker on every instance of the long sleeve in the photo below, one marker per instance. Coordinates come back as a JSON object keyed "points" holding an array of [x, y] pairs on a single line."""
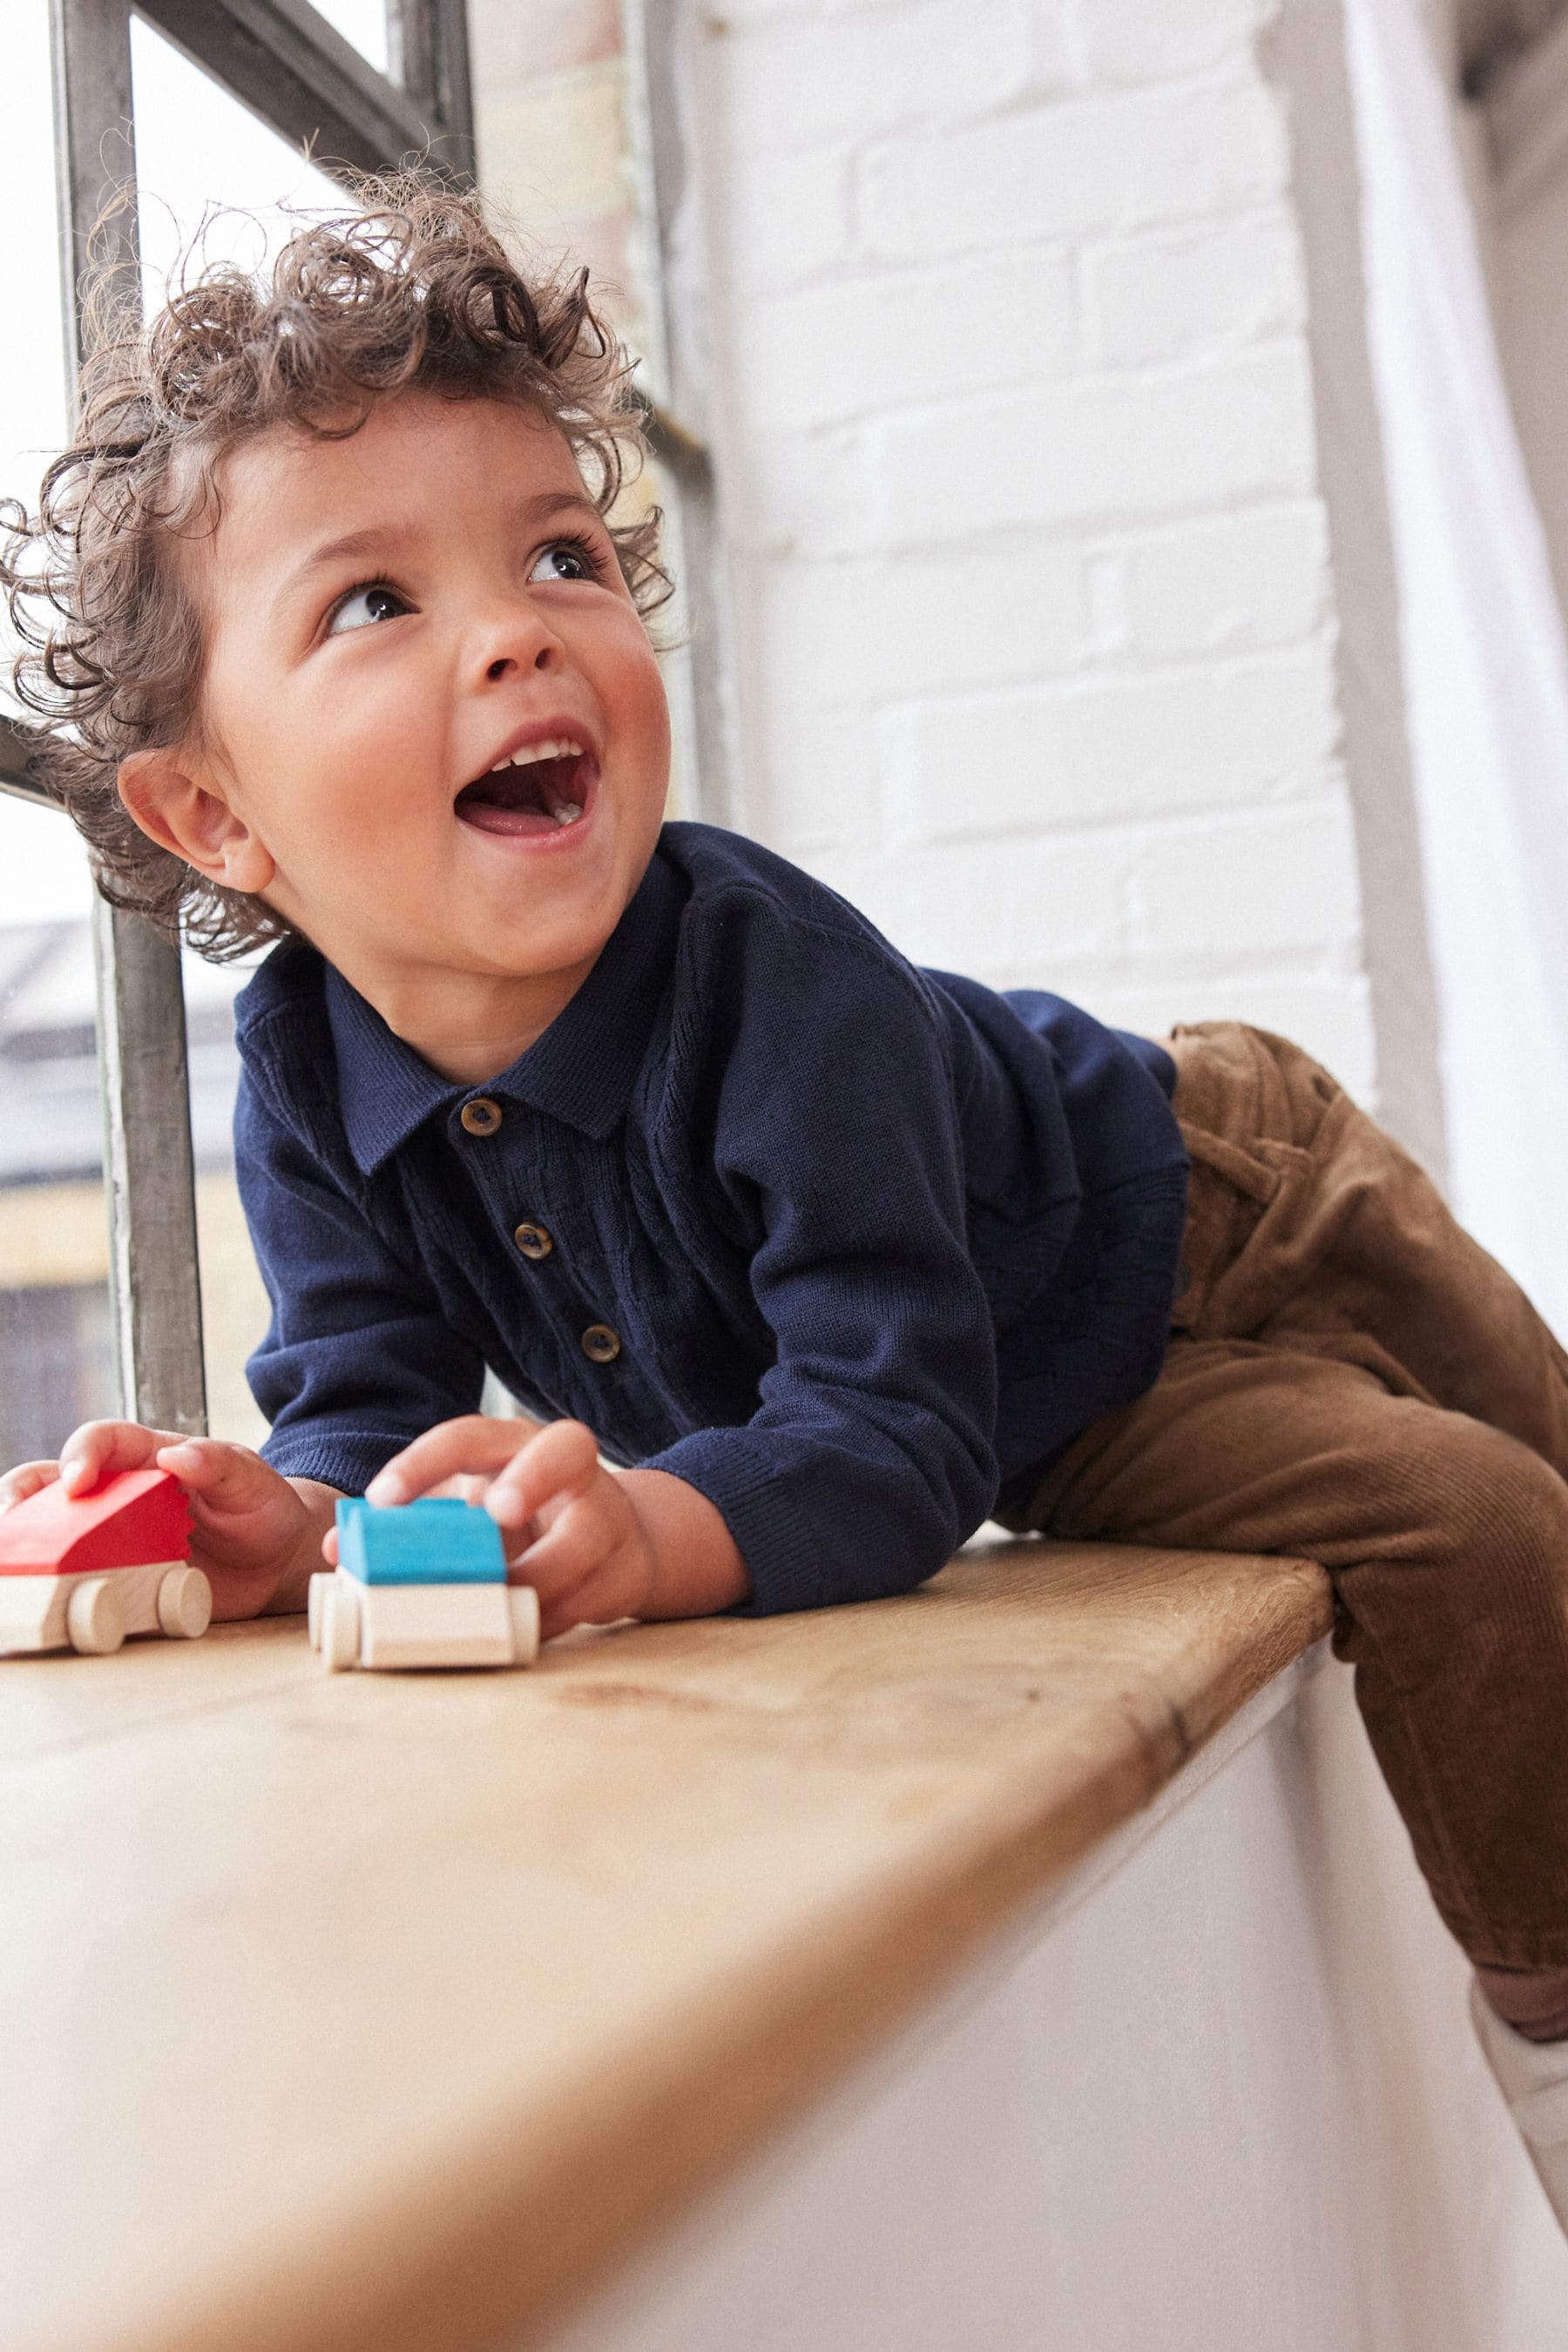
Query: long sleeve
{"points": [[838, 1139]]}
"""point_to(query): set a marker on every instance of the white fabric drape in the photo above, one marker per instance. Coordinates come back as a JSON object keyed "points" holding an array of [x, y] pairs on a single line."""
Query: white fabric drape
{"points": [[1484, 665]]}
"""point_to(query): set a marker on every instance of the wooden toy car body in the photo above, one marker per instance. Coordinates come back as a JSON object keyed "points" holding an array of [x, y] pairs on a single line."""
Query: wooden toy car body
{"points": [[423, 1584], [81, 1571]]}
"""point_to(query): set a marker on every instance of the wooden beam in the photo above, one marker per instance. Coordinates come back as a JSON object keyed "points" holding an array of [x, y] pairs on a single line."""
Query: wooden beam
{"points": [[365, 2012]]}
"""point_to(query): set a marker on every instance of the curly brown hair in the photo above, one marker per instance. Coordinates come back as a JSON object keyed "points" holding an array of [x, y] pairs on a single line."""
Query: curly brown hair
{"points": [[413, 288]]}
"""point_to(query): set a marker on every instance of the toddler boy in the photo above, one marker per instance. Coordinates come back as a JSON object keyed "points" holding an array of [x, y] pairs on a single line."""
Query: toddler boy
{"points": [[336, 645]]}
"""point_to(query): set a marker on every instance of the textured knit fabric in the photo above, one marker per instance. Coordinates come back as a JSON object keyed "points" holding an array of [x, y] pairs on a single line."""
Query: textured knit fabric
{"points": [[1353, 1379], [851, 1248]]}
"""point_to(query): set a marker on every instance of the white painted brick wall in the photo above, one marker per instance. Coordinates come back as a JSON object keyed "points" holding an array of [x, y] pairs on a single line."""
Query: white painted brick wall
{"points": [[1080, 168], [1014, 408], [1178, 294]]}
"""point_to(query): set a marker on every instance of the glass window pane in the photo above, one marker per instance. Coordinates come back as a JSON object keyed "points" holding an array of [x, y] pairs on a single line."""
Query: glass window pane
{"points": [[32, 398], [202, 160], [362, 22], [56, 1364]]}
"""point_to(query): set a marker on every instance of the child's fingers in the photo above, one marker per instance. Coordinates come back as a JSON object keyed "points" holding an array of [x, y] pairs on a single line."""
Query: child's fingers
{"points": [[592, 1562], [468, 1487], [558, 1459], [574, 1546], [597, 1600], [225, 1478], [28, 1478], [474, 1442], [102, 1449]]}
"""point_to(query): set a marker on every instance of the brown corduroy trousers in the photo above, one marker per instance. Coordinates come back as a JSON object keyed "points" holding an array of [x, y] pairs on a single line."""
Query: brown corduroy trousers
{"points": [[1352, 1379]]}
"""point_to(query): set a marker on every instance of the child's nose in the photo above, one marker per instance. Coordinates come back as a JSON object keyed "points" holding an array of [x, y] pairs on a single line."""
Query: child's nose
{"points": [[505, 664], [518, 642]]}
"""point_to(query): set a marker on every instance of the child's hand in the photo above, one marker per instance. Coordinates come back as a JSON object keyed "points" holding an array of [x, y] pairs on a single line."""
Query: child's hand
{"points": [[595, 1544], [248, 1525], [570, 1526]]}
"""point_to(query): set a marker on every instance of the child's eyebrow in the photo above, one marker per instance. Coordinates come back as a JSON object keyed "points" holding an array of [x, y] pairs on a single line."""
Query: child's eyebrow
{"points": [[379, 540], [373, 541]]}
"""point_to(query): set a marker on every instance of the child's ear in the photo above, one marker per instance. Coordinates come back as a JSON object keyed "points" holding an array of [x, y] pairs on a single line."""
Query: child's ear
{"points": [[193, 821]]}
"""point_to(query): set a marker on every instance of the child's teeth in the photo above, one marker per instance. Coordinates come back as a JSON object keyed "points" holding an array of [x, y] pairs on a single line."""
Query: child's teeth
{"points": [[568, 812], [564, 749]]}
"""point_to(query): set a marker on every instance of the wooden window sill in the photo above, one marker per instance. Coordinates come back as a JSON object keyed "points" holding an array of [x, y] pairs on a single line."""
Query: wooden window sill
{"points": [[368, 2010]]}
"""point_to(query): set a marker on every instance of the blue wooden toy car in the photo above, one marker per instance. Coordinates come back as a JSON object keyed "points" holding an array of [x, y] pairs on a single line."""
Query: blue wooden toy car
{"points": [[421, 1584]]}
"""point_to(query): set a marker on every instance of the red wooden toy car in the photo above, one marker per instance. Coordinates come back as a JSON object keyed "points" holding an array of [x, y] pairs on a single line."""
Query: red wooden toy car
{"points": [[80, 1572]]}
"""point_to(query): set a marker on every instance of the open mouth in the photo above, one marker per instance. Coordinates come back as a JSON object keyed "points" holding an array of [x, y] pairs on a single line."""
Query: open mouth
{"points": [[541, 789]]}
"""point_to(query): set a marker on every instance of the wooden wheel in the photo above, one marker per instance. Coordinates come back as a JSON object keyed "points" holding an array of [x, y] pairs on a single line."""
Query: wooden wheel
{"points": [[522, 1605], [316, 1593], [340, 1625], [184, 1604], [95, 1617]]}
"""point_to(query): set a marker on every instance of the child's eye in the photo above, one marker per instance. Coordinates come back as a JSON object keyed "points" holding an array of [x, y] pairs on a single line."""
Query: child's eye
{"points": [[568, 558], [362, 606]]}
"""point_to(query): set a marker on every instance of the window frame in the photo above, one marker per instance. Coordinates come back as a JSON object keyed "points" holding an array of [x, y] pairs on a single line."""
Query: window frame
{"points": [[283, 60]]}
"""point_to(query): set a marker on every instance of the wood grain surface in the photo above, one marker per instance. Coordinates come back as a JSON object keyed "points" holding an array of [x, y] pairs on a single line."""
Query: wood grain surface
{"points": [[381, 2013]]}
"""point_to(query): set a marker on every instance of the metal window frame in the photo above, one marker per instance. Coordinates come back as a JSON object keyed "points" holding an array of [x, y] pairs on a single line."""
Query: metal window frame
{"points": [[283, 60]]}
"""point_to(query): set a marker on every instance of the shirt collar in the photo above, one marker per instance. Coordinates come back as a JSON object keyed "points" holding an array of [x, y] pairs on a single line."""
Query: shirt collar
{"points": [[582, 1070]]}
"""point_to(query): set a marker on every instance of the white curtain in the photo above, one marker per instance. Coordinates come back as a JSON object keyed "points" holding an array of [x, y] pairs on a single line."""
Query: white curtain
{"points": [[1486, 669]]}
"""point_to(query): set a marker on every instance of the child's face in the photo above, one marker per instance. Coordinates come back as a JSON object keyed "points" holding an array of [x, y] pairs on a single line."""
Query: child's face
{"points": [[387, 617]]}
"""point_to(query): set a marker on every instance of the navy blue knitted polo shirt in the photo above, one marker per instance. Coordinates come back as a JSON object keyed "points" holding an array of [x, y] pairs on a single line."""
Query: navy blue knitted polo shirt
{"points": [[856, 1249]]}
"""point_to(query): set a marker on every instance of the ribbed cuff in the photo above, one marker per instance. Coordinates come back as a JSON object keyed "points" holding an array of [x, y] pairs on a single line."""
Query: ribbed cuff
{"points": [[788, 1563], [349, 1464]]}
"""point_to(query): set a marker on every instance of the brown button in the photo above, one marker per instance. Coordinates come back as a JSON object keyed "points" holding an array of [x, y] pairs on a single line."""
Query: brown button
{"points": [[481, 1116], [533, 1241], [601, 1343]]}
